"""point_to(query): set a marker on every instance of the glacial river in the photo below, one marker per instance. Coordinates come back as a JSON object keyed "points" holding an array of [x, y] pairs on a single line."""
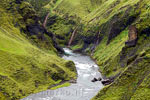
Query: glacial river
{"points": [[84, 89]]}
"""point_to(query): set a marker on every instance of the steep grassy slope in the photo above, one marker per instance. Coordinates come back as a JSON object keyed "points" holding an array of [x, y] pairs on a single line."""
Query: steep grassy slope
{"points": [[103, 32], [92, 16], [106, 24], [133, 82], [103, 53], [141, 22], [67, 6], [28, 61]]}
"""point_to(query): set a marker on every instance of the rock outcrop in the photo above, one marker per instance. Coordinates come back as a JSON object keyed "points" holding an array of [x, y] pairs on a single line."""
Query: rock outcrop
{"points": [[132, 33], [133, 36]]}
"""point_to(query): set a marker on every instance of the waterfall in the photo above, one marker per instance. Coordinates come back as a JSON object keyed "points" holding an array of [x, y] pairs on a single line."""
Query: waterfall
{"points": [[72, 37]]}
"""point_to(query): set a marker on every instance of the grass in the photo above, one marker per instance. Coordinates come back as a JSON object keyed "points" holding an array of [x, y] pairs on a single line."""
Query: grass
{"points": [[26, 68], [78, 46], [93, 12], [106, 52], [26, 65], [67, 6], [131, 84], [98, 15]]}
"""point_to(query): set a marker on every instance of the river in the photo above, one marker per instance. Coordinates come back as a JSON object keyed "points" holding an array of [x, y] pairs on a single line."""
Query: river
{"points": [[84, 89]]}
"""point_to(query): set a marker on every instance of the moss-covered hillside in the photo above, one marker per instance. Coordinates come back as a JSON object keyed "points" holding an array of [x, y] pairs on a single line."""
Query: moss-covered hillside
{"points": [[103, 28], [28, 53], [115, 33]]}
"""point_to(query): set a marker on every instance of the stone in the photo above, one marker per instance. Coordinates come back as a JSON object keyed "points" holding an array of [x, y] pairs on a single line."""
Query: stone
{"points": [[94, 80], [99, 79], [107, 82], [73, 81], [132, 34]]}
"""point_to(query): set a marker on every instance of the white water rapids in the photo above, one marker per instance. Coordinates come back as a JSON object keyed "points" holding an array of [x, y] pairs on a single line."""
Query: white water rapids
{"points": [[84, 89]]}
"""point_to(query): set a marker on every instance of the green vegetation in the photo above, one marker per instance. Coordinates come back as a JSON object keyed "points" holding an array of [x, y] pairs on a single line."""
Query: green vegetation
{"points": [[78, 46], [27, 64], [106, 22], [131, 84], [29, 61], [61, 28], [105, 53]]}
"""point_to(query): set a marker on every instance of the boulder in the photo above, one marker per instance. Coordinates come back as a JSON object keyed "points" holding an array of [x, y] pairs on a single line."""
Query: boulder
{"points": [[132, 34], [107, 82], [73, 81], [99, 79], [94, 80]]}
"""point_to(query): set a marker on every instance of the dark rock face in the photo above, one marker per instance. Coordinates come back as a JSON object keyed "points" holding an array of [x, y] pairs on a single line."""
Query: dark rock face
{"points": [[131, 43], [37, 29], [34, 27], [117, 24], [146, 31], [19, 1], [59, 49], [131, 59], [51, 20], [128, 53], [60, 37]]}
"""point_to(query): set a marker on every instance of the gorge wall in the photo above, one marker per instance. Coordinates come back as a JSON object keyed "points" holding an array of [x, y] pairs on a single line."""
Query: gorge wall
{"points": [[116, 34], [29, 61]]}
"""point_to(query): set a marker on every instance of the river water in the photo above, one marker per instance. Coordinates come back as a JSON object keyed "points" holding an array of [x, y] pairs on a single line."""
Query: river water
{"points": [[84, 89]]}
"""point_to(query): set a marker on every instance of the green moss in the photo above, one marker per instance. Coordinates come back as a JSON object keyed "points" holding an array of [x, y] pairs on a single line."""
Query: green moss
{"points": [[2, 97], [113, 95], [127, 83], [26, 67], [34, 69], [78, 46], [105, 53], [30, 65], [38, 4]]}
